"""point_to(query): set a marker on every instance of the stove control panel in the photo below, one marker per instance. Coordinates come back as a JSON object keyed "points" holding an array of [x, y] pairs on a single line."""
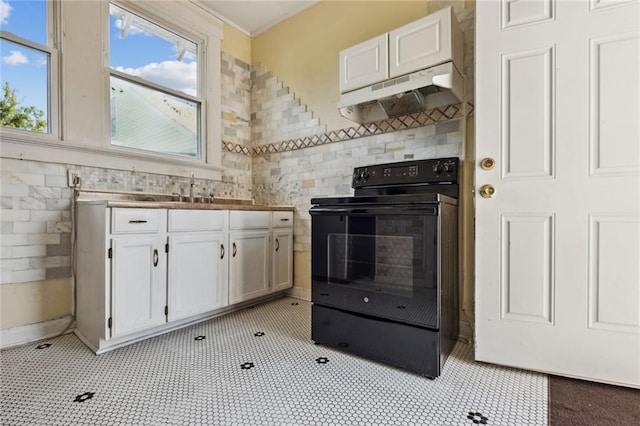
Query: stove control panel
{"points": [[438, 170]]}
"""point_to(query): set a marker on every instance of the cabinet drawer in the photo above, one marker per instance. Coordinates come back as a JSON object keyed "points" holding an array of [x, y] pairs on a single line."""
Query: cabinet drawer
{"points": [[196, 220], [282, 219], [135, 221], [248, 219]]}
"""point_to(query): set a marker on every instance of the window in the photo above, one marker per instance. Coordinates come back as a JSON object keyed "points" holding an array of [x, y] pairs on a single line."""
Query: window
{"points": [[162, 59], [156, 101], [28, 96]]}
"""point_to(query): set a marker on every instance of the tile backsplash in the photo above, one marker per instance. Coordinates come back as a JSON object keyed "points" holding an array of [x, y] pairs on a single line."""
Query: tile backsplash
{"points": [[294, 177]]}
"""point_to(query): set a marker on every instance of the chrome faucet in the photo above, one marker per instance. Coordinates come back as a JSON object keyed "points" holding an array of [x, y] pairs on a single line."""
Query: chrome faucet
{"points": [[191, 188]]}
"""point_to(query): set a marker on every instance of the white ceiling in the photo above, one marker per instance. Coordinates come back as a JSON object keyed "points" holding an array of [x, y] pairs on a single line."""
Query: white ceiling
{"points": [[255, 16]]}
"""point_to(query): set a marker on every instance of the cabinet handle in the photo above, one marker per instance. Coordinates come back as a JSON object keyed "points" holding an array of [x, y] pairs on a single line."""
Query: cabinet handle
{"points": [[222, 251], [284, 219], [137, 221], [155, 257], [277, 244], [235, 249]]}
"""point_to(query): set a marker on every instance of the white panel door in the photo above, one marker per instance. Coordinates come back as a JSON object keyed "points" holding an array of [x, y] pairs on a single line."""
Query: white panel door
{"points": [[248, 265], [196, 270], [364, 64], [138, 284], [282, 254], [558, 237]]}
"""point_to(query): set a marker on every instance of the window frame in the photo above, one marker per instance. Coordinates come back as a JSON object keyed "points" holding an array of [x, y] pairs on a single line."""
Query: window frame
{"points": [[83, 99], [200, 43], [53, 76]]}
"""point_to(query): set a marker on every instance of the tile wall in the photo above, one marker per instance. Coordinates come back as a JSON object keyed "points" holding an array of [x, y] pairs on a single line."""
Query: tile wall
{"points": [[236, 126], [294, 177], [276, 114], [35, 214], [35, 217]]}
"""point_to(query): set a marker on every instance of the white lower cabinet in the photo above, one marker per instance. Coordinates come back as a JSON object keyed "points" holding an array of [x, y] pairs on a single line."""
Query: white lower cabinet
{"points": [[197, 267], [121, 273], [282, 264], [138, 284], [262, 253], [143, 271], [248, 265]]}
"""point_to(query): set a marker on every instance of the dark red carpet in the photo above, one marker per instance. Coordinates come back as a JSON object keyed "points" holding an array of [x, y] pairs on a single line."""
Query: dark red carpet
{"points": [[578, 402]]}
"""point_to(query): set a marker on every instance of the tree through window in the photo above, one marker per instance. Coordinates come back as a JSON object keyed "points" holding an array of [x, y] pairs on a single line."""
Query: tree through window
{"points": [[27, 53]]}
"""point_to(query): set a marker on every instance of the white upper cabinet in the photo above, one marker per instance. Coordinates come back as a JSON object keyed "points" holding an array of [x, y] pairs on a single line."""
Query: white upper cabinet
{"points": [[364, 64], [429, 41]]}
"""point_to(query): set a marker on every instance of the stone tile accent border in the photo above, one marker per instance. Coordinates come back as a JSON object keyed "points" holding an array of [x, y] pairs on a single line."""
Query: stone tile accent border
{"points": [[426, 118]]}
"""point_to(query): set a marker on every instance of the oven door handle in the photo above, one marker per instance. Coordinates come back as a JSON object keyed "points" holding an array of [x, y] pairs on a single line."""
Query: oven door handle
{"points": [[327, 210], [429, 210]]}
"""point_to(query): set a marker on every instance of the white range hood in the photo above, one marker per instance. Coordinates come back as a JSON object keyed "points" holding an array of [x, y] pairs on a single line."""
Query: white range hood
{"points": [[422, 90]]}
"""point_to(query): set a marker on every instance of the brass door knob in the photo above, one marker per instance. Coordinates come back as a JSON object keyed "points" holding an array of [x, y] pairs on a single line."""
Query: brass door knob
{"points": [[487, 163], [487, 191]]}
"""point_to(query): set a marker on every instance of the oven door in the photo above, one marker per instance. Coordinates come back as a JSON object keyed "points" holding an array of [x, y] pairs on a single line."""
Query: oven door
{"points": [[380, 261]]}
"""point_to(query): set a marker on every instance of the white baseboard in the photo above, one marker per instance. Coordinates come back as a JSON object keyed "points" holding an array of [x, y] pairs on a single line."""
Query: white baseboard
{"points": [[24, 334], [300, 293]]}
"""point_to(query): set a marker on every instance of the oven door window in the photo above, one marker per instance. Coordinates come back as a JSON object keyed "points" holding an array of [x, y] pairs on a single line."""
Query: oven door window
{"points": [[382, 263], [391, 254]]}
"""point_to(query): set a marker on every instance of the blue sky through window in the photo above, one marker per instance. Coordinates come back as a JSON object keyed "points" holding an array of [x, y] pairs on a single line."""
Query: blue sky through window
{"points": [[25, 18], [25, 69], [150, 52], [151, 55]]}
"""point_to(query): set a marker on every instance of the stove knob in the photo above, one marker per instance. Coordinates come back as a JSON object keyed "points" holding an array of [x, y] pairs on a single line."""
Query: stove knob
{"points": [[365, 175], [356, 175], [448, 167], [437, 169]]}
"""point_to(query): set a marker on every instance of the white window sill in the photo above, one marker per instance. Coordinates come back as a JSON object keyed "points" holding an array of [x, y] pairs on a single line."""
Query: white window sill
{"points": [[46, 148]]}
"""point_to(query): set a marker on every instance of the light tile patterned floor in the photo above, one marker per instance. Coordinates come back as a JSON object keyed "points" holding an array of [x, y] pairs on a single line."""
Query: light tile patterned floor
{"points": [[257, 366]]}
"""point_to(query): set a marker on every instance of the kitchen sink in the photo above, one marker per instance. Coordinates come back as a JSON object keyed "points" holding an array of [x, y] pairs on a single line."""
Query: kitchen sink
{"points": [[160, 198]]}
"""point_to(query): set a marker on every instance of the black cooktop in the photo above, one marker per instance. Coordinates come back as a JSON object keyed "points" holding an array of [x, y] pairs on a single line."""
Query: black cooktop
{"points": [[407, 182], [396, 199]]}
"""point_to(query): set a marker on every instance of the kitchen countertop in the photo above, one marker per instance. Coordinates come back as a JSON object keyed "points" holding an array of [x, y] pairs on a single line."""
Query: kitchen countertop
{"points": [[164, 201]]}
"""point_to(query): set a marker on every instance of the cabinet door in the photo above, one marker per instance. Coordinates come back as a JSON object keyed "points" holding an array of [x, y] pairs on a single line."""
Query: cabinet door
{"points": [[138, 283], [420, 44], [282, 255], [196, 274], [248, 265], [364, 64]]}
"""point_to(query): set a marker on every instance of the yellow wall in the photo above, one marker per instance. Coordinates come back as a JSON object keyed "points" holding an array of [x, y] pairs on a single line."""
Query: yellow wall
{"points": [[302, 51], [30, 303], [236, 43], [302, 269]]}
